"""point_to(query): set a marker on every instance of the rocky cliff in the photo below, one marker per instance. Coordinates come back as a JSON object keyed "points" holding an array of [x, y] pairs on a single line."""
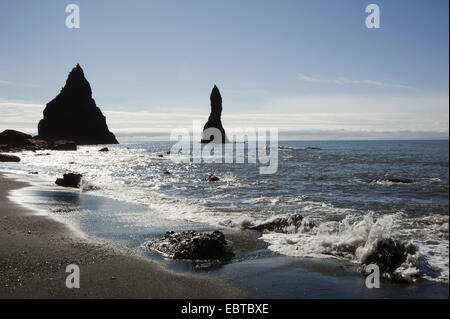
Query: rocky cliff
{"points": [[73, 114]]}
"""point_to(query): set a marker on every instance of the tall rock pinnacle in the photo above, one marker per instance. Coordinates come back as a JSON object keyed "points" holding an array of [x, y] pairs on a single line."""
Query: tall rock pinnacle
{"points": [[73, 114], [214, 120]]}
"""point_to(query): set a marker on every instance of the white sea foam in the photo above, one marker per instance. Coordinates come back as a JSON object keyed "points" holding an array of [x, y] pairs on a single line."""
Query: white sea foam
{"points": [[353, 239]]}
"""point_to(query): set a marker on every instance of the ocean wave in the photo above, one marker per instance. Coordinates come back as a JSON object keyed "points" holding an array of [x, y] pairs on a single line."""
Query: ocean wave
{"points": [[393, 181], [86, 186], [355, 241], [291, 148]]}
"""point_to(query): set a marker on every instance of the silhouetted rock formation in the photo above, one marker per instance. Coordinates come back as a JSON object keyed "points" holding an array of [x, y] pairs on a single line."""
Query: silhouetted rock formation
{"points": [[193, 246], [73, 114], [15, 141], [214, 119], [69, 180]]}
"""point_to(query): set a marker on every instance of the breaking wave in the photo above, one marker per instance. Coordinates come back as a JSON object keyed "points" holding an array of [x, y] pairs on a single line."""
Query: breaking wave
{"points": [[355, 240]]}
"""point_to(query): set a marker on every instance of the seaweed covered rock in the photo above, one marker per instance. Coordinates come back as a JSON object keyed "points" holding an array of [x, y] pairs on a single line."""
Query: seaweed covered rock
{"points": [[70, 180], [192, 245], [73, 115]]}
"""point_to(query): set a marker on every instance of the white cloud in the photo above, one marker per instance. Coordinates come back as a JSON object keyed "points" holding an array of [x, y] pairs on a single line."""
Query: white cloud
{"points": [[9, 83], [331, 117], [345, 80], [432, 104]]}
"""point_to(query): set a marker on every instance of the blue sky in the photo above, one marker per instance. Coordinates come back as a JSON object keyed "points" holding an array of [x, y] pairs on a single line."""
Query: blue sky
{"points": [[294, 58]]}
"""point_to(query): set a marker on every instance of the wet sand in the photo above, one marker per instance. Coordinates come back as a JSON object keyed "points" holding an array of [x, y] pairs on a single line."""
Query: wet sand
{"points": [[35, 250]]}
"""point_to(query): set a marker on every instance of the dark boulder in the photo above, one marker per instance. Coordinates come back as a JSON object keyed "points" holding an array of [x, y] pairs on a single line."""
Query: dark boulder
{"points": [[211, 178], [192, 245], [73, 115], [214, 124], [280, 224], [9, 158], [13, 139], [388, 254], [104, 149], [69, 180]]}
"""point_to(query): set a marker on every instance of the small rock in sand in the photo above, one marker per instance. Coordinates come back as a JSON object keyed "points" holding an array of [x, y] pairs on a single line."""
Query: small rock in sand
{"points": [[193, 246]]}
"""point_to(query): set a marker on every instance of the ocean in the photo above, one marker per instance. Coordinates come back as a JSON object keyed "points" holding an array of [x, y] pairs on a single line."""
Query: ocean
{"points": [[349, 192]]}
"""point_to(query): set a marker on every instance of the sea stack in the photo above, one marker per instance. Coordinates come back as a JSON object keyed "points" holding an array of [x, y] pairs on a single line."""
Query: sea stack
{"points": [[214, 120], [73, 115]]}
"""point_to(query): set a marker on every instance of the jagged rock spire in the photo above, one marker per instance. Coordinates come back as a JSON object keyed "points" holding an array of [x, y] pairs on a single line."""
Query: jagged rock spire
{"points": [[214, 120], [73, 114]]}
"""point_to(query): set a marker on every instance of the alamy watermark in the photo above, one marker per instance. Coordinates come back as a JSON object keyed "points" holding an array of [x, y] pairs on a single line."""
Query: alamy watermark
{"points": [[73, 19], [73, 280], [373, 277], [246, 146], [373, 19]]}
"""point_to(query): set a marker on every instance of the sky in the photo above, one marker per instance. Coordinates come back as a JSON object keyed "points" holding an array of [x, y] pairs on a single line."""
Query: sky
{"points": [[308, 67]]}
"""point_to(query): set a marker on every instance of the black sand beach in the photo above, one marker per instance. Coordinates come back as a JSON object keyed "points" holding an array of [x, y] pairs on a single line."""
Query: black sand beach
{"points": [[34, 251]]}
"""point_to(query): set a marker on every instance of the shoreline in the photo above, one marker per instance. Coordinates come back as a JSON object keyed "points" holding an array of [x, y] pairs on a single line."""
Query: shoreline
{"points": [[35, 250], [112, 270]]}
